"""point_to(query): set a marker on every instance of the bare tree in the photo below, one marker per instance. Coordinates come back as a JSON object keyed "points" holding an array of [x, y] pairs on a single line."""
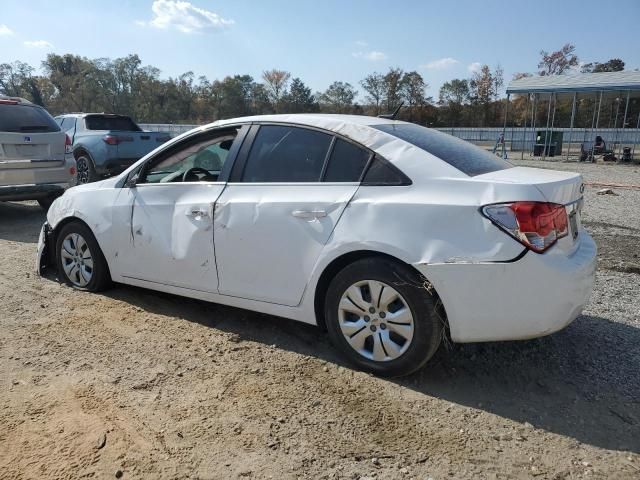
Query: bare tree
{"points": [[276, 82], [558, 62]]}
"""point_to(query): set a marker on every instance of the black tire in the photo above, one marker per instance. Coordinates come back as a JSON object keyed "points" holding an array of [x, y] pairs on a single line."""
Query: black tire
{"points": [[46, 202], [85, 168], [427, 324], [100, 276]]}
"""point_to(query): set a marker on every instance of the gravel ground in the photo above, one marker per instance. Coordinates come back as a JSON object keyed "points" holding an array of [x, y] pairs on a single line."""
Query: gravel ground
{"points": [[138, 384]]}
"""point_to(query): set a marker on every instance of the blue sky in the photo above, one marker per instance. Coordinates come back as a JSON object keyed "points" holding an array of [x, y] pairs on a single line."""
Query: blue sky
{"points": [[322, 41]]}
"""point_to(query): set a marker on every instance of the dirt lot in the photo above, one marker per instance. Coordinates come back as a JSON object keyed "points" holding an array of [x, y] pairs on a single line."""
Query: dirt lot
{"points": [[138, 384]]}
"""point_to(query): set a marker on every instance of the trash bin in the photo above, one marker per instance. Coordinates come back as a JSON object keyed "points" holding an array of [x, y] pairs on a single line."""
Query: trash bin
{"points": [[550, 150], [552, 140]]}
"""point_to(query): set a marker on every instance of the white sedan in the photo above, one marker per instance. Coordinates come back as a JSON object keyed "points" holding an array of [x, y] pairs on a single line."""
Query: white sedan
{"points": [[388, 234]]}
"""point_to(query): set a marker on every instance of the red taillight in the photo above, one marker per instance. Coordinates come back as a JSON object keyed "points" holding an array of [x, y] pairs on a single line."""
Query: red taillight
{"points": [[4, 101], [537, 225], [68, 144], [111, 139]]}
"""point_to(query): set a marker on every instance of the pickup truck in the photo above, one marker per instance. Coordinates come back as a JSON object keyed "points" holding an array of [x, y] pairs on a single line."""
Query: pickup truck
{"points": [[105, 144]]}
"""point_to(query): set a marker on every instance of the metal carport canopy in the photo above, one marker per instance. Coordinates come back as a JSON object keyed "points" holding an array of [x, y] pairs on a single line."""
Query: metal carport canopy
{"points": [[582, 82]]}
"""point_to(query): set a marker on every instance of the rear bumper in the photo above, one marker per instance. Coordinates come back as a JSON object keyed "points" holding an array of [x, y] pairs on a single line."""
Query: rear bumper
{"points": [[528, 298], [31, 192]]}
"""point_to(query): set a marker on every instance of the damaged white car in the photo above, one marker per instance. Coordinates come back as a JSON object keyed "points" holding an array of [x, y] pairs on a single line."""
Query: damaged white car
{"points": [[389, 234]]}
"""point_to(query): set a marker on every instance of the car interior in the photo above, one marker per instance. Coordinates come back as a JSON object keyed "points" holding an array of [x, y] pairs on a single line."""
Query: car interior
{"points": [[200, 162]]}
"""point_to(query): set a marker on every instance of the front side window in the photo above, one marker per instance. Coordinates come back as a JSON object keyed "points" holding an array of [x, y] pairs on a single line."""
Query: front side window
{"points": [[111, 122], [197, 161], [68, 124], [286, 154]]}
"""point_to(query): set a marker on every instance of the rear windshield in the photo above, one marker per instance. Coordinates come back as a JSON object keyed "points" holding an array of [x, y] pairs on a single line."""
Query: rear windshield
{"points": [[460, 154], [106, 122], [26, 119]]}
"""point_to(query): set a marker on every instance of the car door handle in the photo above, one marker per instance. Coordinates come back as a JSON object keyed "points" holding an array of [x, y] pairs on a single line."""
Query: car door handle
{"points": [[198, 213], [309, 213]]}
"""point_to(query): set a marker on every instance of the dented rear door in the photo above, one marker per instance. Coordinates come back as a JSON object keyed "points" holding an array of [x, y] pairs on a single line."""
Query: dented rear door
{"points": [[269, 236]]}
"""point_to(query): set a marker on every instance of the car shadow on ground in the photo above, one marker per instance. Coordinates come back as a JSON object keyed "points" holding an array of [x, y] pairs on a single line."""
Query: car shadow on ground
{"points": [[582, 382], [21, 221]]}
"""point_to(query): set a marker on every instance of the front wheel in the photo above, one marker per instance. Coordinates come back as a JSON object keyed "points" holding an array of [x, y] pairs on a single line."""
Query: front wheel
{"points": [[81, 264], [383, 317]]}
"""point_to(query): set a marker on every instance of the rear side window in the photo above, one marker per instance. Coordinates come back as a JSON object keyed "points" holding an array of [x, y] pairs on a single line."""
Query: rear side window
{"points": [[286, 154], [108, 122], [382, 173], [26, 119], [68, 123], [347, 162], [462, 155]]}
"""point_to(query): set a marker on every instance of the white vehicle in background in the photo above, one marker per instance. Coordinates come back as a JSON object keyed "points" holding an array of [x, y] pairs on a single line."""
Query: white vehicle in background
{"points": [[387, 233], [35, 155]]}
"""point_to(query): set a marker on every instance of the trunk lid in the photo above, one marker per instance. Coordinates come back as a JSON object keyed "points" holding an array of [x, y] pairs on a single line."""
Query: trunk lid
{"points": [[555, 186], [31, 150]]}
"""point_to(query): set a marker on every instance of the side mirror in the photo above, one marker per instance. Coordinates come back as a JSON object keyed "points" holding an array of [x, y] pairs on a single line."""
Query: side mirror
{"points": [[132, 180]]}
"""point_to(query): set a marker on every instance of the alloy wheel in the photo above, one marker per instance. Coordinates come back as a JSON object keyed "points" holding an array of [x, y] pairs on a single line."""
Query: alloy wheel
{"points": [[376, 320], [82, 167], [77, 261]]}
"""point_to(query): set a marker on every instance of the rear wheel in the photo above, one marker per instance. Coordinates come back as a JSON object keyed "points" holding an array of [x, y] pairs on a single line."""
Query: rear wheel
{"points": [[80, 261], [86, 170], [383, 318]]}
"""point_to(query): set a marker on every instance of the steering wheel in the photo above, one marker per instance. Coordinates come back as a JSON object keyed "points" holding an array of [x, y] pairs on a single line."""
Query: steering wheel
{"points": [[193, 172]]}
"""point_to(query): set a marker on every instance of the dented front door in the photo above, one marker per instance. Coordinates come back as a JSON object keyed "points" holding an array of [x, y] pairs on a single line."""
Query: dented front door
{"points": [[171, 235]]}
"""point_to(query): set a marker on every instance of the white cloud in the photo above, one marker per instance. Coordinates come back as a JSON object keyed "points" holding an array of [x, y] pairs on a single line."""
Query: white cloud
{"points": [[37, 44], [185, 17], [474, 67], [140, 23], [442, 63], [372, 56], [362, 43], [4, 30]]}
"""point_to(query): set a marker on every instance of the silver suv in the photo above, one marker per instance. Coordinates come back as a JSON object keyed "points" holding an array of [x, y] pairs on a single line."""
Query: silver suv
{"points": [[35, 154]]}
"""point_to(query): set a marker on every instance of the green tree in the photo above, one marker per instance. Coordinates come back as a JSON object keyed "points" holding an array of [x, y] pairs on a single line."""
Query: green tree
{"points": [[613, 65], [375, 86], [453, 96], [300, 99], [338, 98], [392, 88], [412, 91]]}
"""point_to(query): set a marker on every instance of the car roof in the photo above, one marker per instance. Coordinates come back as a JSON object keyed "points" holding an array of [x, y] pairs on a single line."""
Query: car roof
{"points": [[85, 114], [358, 128], [20, 100], [319, 120]]}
